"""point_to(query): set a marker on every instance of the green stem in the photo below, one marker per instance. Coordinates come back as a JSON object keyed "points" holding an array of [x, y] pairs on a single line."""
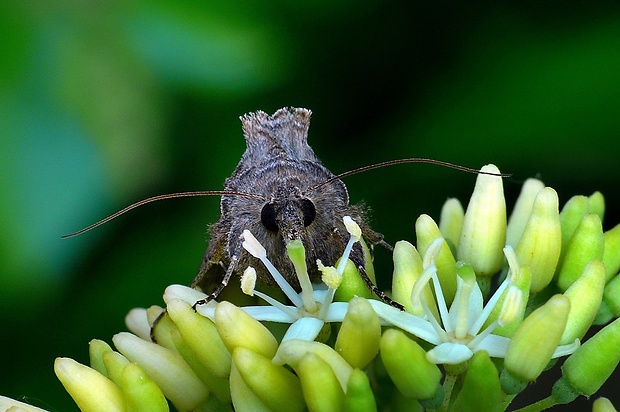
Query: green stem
{"points": [[541, 405]]}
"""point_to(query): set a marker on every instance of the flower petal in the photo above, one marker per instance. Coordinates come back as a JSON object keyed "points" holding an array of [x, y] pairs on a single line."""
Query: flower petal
{"points": [[495, 345], [450, 353], [304, 329], [406, 321]]}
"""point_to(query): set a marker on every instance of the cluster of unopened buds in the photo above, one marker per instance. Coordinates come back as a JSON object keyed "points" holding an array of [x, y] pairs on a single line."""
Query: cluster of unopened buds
{"points": [[490, 301]]}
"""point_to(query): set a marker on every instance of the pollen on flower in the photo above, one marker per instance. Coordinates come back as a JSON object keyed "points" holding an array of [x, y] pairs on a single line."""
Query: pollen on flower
{"points": [[248, 281], [353, 228], [330, 275]]}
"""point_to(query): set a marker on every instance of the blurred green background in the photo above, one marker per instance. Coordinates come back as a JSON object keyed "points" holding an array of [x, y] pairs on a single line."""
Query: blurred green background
{"points": [[103, 103]]}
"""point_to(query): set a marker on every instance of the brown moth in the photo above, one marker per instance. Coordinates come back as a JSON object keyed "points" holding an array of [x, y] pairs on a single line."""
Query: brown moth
{"points": [[293, 197]]}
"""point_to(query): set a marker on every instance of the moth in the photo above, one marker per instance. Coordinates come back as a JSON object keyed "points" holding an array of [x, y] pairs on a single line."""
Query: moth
{"points": [[280, 191], [291, 195]]}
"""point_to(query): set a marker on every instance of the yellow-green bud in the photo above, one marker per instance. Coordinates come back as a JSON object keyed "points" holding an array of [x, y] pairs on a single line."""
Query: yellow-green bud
{"points": [[166, 367], [611, 296], [408, 367], [611, 252], [320, 386], [277, 387], [594, 361], [586, 244], [585, 296], [540, 245], [292, 351], [570, 216], [141, 393], [96, 349], [596, 204], [161, 331], [352, 284], [359, 335], [115, 363], [243, 398], [603, 405], [481, 389], [359, 396], [427, 232], [238, 329], [545, 327], [201, 335], [451, 222], [90, 390], [484, 228], [407, 269], [522, 211], [219, 386]]}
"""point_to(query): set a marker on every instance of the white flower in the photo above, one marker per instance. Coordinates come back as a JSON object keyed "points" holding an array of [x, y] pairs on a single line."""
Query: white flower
{"points": [[313, 306], [458, 333]]}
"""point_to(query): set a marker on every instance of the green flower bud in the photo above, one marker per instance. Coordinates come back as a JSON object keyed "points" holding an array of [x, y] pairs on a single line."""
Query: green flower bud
{"points": [[481, 390], [585, 298], [484, 228], [406, 363], [359, 396], [594, 361], [522, 211], [238, 329], [292, 351], [141, 393], [164, 325], [219, 386], [115, 363], [352, 284], [426, 232], [611, 252], [277, 387], [586, 244], [201, 335], [96, 349], [570, 216], [451, 222], [320, 386], [166, 367], [243, 398], [603, 405], [359, 335], [596, 204], [407, 269], [541, 242], [545, 327], [611, 296], [90, 390]]}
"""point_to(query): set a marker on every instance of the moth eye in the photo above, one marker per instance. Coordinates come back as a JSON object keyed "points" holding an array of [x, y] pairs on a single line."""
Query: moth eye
{"points": [[309, 211], [268, 217]]}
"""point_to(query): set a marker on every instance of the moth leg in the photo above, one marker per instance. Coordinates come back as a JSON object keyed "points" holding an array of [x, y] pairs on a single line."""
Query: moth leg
{"points": [[221, 286], [374, 289], [386, 245]]}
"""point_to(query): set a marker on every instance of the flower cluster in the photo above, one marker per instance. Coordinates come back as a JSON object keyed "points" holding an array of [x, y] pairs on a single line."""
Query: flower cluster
{"points": [[490, 301]]}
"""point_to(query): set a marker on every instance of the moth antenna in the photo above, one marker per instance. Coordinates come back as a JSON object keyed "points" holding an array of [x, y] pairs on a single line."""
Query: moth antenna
{"points": [[161, 197], [408, 160]]}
